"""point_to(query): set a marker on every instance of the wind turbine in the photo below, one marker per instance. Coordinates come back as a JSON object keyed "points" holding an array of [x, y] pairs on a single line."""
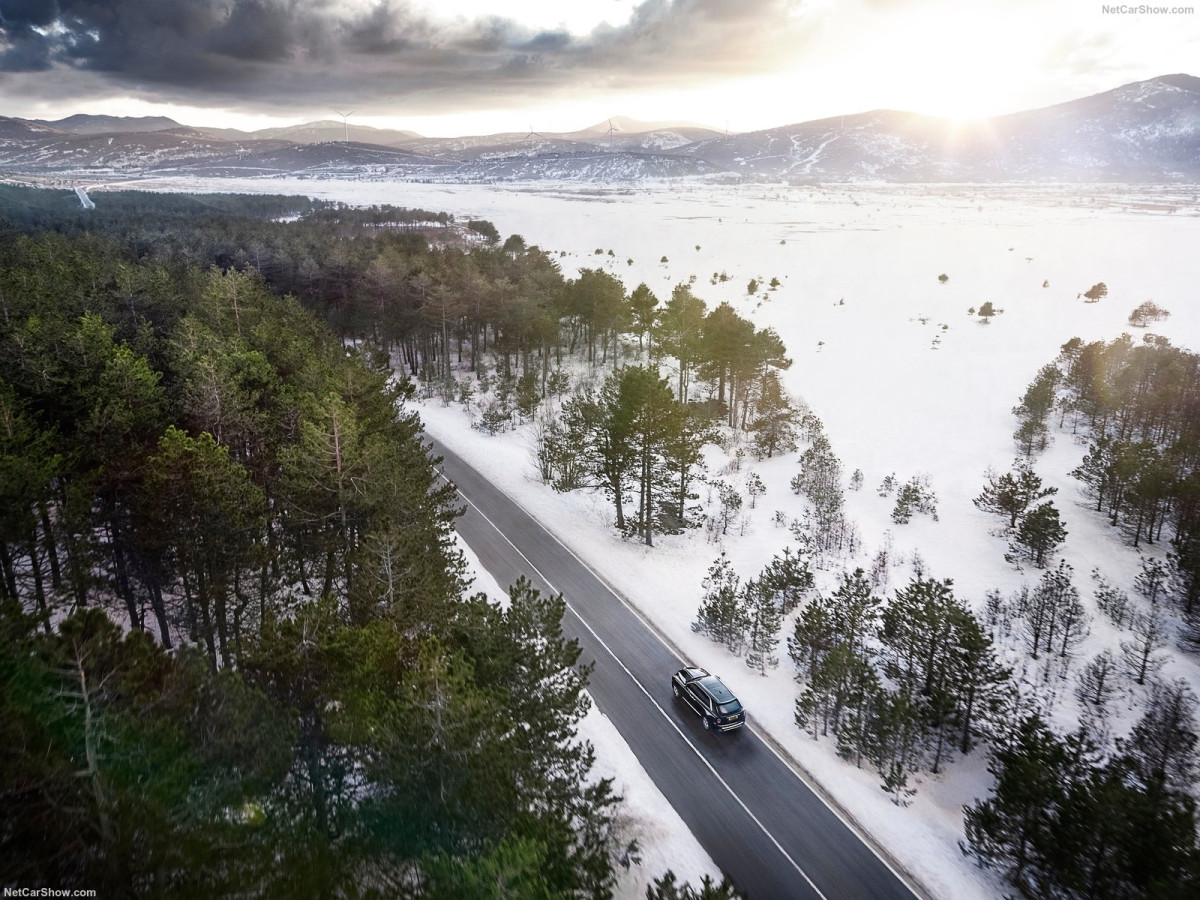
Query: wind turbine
{"points": [[346, 121], [529, 137], [610, 134]]}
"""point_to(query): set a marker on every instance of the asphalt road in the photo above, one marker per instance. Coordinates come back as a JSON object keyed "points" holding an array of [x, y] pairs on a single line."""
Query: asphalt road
{"points": [[750, 811]]}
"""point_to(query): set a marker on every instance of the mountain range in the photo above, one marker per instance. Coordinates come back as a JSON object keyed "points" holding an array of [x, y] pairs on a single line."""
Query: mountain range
{"points": [[1148, 131]]}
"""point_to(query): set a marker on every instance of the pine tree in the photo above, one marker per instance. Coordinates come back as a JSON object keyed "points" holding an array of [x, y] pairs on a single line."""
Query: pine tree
{"points": [[1038, 535], [763, 620], [893, 740], [786, 580], [722, 614], [730, 501], [667, 887], [1031, 437], [1097, 681], [1095, 470], [1184, 563], [1113, 601], [1164, 740], [814, 634], [1012, 493], [774, 422], [1152, 581], [643, 313], [1142, 651], [1061, 823], [836, 689], [1047, 603], [981, 687], [686, 433], [680, 334], [917, 630], [643, 413], [1012, 830], [855, 610]]}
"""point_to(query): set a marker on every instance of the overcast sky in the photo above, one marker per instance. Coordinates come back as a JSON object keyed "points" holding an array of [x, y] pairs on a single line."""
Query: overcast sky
{"points": [[472, 67]]}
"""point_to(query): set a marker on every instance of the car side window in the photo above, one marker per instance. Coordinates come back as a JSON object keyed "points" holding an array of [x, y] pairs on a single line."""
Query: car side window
{"points": [[701, 698]]}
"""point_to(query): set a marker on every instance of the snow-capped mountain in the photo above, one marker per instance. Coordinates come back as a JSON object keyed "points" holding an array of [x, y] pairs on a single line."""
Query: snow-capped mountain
{"points": [[1148, 131]]}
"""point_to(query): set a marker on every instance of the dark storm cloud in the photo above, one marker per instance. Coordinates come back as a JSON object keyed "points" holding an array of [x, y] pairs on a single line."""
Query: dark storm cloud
{"points": [[280, 54]]}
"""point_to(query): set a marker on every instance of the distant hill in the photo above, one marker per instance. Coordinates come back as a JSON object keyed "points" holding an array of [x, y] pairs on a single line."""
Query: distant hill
{"points": [[1148, 131], [25, 129], [328, 130], [85, 124]]}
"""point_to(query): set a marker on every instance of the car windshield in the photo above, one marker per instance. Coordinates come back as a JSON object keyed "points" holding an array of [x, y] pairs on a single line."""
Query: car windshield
{"points": [[728, 708]]}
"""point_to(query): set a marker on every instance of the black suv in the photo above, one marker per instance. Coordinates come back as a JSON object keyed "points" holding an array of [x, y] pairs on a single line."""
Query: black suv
{"points": [[705, 693]]}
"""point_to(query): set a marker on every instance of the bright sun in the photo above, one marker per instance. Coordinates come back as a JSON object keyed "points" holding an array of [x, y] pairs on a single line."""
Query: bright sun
{"points": [[942, 60]]}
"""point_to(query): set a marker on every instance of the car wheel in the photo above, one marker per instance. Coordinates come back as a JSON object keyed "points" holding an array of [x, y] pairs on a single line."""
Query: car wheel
{"points": [[707, 722], [675, 690]]}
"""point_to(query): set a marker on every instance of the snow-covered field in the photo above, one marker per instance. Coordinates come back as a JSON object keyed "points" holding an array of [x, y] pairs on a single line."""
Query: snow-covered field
{"points": [[905, 381]]}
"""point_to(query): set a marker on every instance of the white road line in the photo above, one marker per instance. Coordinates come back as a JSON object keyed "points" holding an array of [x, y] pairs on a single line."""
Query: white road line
{"points": [[649, 696]]}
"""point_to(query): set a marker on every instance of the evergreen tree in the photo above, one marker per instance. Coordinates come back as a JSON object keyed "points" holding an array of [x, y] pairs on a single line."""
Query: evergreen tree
{"points": [[206, 513], [1038, 535], [1038, 400], [1163, 742], [814, 634], [730, 504], [1152, 580], [722, 614], [774, 423], [763, 621], [643, 308], [1142, 652], [667, 887], [726, 340], [1012, 830], [680, 334], [1097, 681], [787, 579], [686, 433], [917, 633], [893, 741], [1184, 565], [642, 414], [1054, 597], [1012, 493], [981, 687], [1061, 823], [836, 689]]}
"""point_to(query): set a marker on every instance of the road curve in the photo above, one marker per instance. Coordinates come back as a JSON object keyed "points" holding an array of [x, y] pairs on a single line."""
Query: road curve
{"points": [[761, 824]]}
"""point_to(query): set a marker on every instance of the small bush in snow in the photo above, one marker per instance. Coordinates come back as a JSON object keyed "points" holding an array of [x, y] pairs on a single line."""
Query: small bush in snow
{"points": [[1111, 600], [914, 497]]}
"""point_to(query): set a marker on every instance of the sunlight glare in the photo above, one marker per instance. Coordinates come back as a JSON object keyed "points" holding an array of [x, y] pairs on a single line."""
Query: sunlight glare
{"points": [[946, 62]]}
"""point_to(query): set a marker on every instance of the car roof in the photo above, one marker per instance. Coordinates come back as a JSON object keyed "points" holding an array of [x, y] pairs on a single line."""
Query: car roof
{"points": [[716, 689]]}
